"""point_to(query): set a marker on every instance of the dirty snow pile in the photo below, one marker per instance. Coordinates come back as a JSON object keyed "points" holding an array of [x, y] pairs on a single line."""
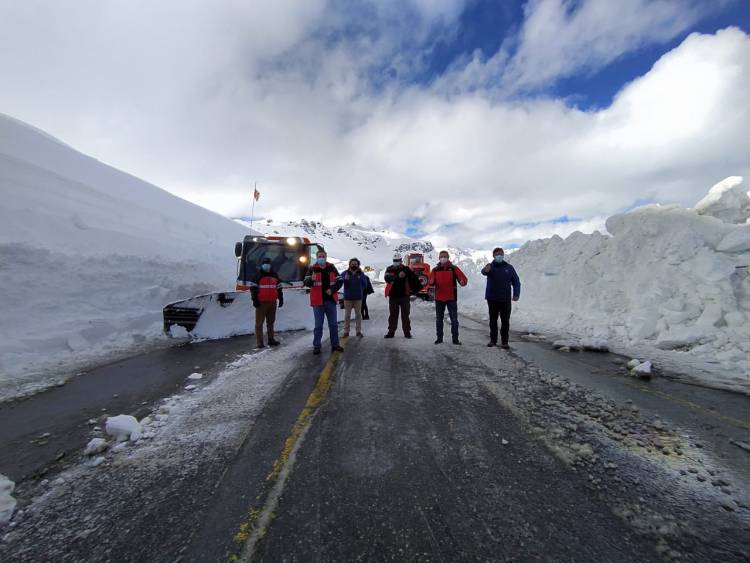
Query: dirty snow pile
{"points": [[670, 284], [7, 502], [89, 256]]}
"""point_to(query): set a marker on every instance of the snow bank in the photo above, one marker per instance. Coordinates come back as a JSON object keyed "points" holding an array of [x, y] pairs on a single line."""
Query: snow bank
{"points": [[669, 283], [7, 502], [89, 256]]}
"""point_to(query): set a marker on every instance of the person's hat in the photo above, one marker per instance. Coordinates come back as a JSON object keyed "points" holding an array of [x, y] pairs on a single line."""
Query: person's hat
{"points": [[397, 256]]}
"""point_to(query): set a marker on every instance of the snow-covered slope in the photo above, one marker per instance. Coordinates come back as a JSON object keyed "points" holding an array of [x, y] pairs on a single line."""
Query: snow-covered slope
{"points": [[88, 257], [670, 284]]}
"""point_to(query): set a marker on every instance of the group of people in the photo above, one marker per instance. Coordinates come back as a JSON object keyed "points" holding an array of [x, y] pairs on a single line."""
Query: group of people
{"points": [[324, 282]]}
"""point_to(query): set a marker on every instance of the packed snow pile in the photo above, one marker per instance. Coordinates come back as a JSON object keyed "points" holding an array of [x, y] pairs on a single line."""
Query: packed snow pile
{"points": [[7, 502], [124, 427], [669, 283], [89, 256]]}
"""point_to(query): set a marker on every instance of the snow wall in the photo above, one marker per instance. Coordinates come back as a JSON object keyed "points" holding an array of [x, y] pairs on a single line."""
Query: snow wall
{"points": [[670, 284], [89, 256]]}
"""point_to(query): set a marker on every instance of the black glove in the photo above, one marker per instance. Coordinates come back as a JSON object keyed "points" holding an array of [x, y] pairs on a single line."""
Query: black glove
{"points": [[256, 303], [281, 302]]}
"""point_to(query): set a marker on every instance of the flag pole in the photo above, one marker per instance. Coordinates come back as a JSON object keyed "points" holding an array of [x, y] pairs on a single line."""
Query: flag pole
{"points": [[252, 211]]}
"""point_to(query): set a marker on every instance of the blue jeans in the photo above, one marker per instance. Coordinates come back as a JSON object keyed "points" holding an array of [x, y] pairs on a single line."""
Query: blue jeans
{"points": [[440, 307], [327, 309]]}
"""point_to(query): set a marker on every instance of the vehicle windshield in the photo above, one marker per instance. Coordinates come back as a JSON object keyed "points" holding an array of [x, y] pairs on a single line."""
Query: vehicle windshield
{"points": [[415, 260], [284, 260]]}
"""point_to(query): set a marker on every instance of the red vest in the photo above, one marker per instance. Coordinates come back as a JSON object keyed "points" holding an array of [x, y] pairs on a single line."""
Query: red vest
{"points": [[316, 291], [268, 288]]}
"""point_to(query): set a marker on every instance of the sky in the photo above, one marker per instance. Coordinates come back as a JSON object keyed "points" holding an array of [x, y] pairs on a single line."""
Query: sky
{"points": [[469, 122]]}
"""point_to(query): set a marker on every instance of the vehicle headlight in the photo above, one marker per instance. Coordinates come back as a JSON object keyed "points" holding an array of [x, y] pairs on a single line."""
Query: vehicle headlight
{"points": [[291, 240], [303, 259]]}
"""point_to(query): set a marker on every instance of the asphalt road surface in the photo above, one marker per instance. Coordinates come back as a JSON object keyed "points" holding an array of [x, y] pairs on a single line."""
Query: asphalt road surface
{"points": [[394, 450]]}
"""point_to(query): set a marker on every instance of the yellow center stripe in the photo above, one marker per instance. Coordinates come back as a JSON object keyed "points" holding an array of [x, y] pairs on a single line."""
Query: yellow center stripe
{"points": [[254, 527]]}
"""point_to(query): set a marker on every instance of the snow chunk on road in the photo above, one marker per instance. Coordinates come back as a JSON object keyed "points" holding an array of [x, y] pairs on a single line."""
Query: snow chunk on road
{"points": [[643, 368], [95, 446], [124, 427], [7, 502], [195, 376]]}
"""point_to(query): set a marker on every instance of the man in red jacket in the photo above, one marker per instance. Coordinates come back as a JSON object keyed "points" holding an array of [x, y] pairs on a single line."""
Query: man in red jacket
{"points": [[265, 290], [324, 282], [445, 278]]}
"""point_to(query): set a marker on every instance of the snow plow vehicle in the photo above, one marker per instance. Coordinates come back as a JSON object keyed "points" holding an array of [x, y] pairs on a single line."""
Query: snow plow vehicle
{"points": [[415, 262], [290, 258]]}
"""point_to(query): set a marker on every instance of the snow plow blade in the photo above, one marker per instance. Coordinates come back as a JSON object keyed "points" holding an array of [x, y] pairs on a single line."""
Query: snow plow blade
{"points": [[231, 313], [187, 312]]}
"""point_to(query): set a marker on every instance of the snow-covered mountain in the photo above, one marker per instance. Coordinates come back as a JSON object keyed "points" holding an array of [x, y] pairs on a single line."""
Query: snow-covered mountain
{"points": [[88, 257]]}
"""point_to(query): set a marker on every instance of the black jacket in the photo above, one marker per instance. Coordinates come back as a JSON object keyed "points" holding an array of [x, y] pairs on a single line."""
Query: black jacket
{"points": [[399, 284]]}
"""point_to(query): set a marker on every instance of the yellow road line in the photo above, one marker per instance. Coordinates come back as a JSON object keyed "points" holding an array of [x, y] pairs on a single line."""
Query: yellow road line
{"points": [[255, 526]]}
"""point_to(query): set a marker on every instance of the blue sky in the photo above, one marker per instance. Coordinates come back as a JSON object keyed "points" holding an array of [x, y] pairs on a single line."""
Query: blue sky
{"points": [[472, 122]]}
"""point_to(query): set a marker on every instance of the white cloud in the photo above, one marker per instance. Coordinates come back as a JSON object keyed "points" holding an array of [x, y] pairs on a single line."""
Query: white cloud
{"points": [[560, 38], [203, 101]]}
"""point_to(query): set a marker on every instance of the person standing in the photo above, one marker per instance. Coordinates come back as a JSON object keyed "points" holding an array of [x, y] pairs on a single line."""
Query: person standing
{"points": [[402, 282], [445, 278], [501, 279], [355, 284], [324, 282], [368, 291], [265, 291]]}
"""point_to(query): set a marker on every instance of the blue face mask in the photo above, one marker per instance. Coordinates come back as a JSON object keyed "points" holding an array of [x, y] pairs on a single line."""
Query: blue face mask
{"points": [[265, 267], [499, 258], [321, 261]]}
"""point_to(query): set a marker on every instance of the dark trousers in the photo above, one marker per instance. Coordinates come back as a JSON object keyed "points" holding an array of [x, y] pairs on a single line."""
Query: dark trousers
{"points": [[365, 310], [501, 308], [396, 304], [452, 307]]}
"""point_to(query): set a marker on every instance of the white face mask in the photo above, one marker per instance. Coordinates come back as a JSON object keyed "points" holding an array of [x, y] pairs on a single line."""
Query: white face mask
{"points": [[443, 260]]}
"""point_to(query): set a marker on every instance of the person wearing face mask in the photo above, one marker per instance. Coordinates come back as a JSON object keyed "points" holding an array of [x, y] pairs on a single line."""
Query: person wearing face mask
{"points": [[445, 278], [265, 290], [402, 283], [355, 285], [324, 282], [503, 286]]}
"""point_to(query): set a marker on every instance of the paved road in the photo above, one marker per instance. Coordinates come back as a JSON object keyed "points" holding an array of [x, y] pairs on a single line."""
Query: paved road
{"points": [[395, 450]]}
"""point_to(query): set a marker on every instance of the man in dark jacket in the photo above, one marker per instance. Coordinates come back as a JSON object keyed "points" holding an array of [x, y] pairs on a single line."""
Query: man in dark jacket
{"points": [[444, 278], [355, 283], [501, 278], [265, 290], [324, 282], [402, 283], [368, 291]]}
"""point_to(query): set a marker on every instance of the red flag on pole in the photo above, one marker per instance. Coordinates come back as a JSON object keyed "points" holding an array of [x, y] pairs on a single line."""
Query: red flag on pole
{"points": [[256, 194]]}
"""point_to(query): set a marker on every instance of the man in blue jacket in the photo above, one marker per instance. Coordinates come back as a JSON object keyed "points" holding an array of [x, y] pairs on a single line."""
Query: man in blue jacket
{"points": [[501, 278]]}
